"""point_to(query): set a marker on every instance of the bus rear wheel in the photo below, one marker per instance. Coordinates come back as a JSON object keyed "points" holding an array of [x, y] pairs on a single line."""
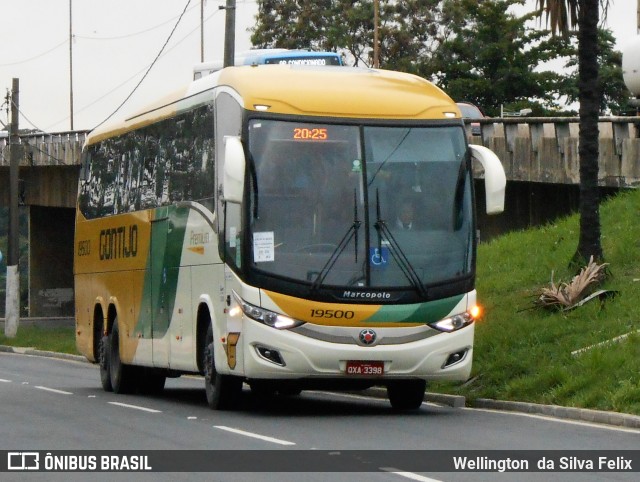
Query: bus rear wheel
{"points": [[223, 391], [406, 394], [122, 376], [104, 361]]}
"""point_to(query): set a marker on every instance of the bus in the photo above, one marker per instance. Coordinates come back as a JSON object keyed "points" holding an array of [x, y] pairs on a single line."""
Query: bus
{"points": [[271, 56], [245, 229]]}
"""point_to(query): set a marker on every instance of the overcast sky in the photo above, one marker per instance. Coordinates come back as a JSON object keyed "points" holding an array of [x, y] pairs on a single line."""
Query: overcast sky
{"points": [[115, 41]]}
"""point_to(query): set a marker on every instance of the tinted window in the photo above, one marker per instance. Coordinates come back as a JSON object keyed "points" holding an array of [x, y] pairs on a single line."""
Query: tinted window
{"points": [[163, 163]]}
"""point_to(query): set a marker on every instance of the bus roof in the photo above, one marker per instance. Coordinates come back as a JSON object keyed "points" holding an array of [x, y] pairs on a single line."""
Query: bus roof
{"points": [[338, 92], [341, 92]]}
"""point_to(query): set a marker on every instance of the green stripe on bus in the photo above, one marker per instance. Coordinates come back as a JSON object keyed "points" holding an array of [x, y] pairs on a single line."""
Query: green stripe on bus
{"points": [[163, 267], [415, 313]]}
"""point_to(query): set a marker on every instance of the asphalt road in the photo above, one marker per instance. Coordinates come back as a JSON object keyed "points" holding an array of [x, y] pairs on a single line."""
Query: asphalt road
{"points": [[50, 404]]}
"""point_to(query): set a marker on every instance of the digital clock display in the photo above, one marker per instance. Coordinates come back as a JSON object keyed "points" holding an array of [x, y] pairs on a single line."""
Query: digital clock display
{"points": [[310, 134]]}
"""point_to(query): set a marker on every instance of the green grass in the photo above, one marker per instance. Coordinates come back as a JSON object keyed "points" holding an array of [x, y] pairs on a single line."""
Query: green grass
{"points": [[524, 353], [521, 353], [60, 340]]}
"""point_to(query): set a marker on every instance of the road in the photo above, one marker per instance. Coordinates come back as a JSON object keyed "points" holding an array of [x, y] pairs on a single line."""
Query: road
{"points": [[49, 404]]}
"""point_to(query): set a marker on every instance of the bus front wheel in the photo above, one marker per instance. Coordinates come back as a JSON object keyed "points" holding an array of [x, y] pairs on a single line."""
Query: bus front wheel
{"points": [[406, 394], [223, 391]]}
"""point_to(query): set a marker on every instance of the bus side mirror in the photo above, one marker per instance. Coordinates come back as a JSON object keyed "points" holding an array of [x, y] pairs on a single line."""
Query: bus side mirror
{"points": [[495, 180], [234, 165]]}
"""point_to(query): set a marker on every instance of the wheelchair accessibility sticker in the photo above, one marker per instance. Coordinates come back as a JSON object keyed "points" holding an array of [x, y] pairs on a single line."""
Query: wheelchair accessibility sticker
{"points": [[379, 257]]}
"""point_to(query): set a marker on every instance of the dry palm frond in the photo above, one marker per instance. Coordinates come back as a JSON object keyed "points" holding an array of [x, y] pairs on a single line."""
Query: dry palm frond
{"points": [[566, 295]]}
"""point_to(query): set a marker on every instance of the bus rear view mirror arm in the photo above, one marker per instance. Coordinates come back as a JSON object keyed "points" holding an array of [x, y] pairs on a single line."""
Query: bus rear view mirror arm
{"points": [[234, 165], [495, 180]]}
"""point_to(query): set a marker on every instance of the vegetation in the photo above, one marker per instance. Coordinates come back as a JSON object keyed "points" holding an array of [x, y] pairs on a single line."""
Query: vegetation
{"points": [[524, 352], [493, 57], [565, 15], [61, 340], [408, 30], [615, 94], [481, 52]]}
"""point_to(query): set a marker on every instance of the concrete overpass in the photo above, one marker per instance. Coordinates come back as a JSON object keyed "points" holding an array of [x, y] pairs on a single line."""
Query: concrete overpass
{"points": [[48, 185], [540, 157]]}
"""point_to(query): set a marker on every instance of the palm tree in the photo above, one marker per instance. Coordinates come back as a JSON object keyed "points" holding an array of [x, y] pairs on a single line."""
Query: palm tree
{"points": [[563, 15]]}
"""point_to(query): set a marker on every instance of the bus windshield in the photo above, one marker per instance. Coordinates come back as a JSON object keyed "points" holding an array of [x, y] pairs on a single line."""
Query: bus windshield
{"points": [[360, 205]]}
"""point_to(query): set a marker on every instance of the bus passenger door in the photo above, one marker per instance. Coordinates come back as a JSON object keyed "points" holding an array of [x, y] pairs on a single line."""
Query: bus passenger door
{"points": [[160, 313], [230, 165], [231, 326]]}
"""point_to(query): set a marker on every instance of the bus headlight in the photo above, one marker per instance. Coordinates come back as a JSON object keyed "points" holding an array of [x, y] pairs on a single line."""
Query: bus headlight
{"points": [[267, 317], [453, 323]]}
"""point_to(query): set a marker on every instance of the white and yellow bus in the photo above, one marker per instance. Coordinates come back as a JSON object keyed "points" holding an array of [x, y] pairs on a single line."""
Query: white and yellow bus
{"points": [[248, 229]]}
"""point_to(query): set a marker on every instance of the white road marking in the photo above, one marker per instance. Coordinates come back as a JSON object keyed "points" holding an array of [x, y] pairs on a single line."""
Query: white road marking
{"points": [[53, 390], [254, 435], [5, 381], [408, 475], [550, 418], [136, 407]]}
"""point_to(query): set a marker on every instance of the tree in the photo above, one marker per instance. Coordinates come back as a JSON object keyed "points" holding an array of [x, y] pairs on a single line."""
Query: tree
{"points": [[563, 15], [615, 94], [490, 58], [407, 29]]}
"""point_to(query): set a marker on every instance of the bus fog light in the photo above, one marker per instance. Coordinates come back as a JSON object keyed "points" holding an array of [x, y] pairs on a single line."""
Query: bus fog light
{"points": [[270, 354], [456, 357]]}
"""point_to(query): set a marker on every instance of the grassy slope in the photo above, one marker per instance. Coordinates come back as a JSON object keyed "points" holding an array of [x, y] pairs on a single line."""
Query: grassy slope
{"points": [[525, 354]]}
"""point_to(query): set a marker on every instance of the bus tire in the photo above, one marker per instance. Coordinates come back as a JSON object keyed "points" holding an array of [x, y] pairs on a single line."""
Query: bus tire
{"points": [[223, 391], [104, 361], [406, 394], [122, 376]]}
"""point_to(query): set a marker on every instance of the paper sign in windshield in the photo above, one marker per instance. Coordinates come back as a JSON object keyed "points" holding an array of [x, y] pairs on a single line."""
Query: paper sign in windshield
{"points": [[263, 247]]}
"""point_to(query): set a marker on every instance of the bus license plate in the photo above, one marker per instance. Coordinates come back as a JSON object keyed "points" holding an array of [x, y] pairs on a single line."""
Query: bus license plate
{"points": [[367, 368]]}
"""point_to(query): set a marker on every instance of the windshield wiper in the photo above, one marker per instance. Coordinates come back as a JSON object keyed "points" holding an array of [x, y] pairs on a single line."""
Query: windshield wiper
{"points": [[351, 233], [396, 251]]}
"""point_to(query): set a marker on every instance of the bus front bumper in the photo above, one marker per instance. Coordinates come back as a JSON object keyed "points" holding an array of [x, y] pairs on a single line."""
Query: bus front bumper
{"points": [[285, 354]]}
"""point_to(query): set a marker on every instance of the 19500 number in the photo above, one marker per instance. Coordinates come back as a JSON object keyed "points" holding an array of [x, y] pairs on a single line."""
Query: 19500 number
{"points": [[340, 314]]}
